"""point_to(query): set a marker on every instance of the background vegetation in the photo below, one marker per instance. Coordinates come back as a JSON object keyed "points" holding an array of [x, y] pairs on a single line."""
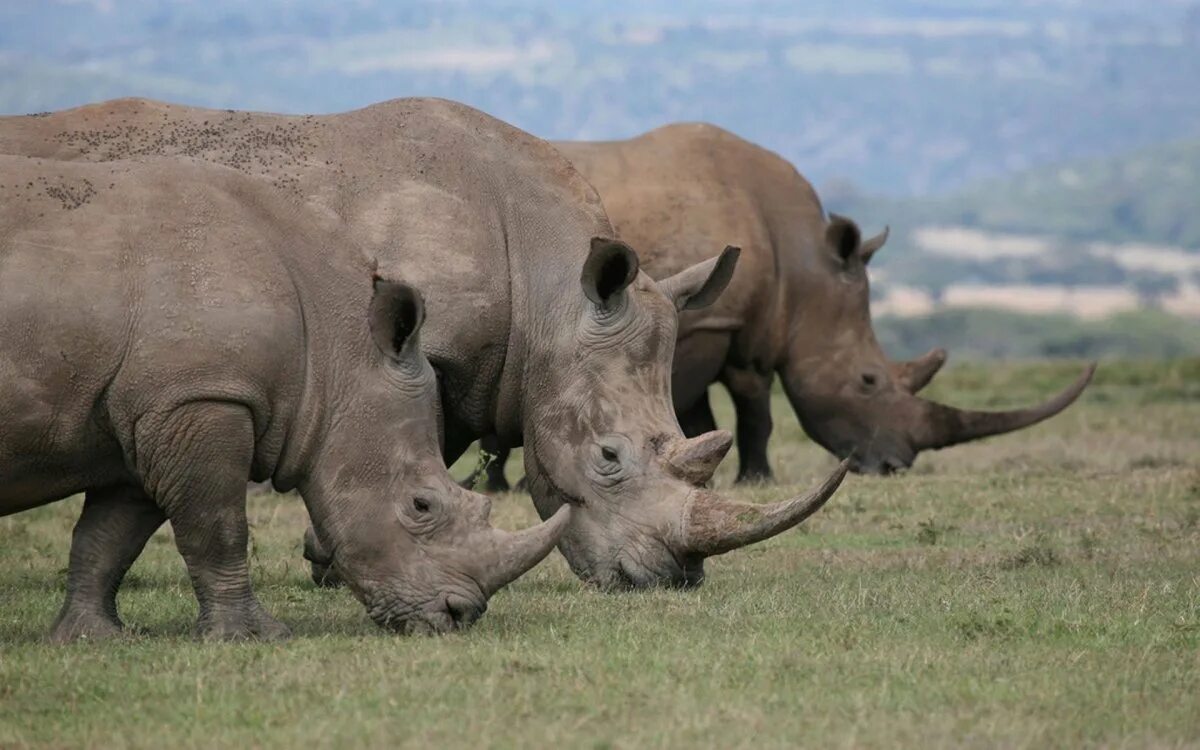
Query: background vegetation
{"points": [[996, 334]]}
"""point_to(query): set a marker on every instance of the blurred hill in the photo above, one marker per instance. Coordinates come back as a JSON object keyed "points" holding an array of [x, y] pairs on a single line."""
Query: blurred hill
{"points": [[900, 97], [1148, 196], [1089, 239]]}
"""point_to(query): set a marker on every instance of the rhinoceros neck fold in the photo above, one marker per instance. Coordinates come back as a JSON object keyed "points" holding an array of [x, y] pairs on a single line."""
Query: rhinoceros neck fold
{"points": [[326, 296]]}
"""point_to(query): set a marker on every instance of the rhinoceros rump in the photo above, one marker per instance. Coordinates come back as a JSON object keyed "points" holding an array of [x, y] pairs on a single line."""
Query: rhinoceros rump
{"points": [[169, 330], [798, 305], [541, 330]]}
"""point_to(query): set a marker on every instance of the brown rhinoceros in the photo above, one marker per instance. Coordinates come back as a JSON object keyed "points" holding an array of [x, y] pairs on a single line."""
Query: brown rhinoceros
{"points": [[543, 329], [797, 306], [170, 329]]}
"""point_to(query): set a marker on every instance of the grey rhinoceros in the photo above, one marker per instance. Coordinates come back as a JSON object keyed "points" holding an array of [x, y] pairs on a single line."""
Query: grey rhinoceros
{"points": [[797, 306], [169, 330], [543, 329]]}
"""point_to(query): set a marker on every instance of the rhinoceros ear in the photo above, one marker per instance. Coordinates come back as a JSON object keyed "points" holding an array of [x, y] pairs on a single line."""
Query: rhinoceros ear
{"points": [[869, 246], [842, 236], [611, 266], [397, 312], [700, 285]]}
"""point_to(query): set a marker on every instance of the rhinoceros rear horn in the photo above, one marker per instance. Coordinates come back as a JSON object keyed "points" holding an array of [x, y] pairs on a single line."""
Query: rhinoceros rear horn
{"points": [[701, 285], [694, 460], [941, 426], [715, 526], [397, 312], [516, 552], [915, 374], [611, 266]]}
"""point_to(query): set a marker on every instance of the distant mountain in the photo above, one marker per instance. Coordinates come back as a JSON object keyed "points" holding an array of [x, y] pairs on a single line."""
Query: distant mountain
{"points": [[900, 97], [1149, 196]]}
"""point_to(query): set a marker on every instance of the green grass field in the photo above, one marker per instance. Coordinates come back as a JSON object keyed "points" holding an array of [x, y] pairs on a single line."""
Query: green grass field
{"points": [[1039, 589]]}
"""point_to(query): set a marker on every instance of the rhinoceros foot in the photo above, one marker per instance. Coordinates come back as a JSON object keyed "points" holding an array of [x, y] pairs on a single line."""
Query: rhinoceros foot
{"points": [[756, 475], [73, 625], [243, 623]]}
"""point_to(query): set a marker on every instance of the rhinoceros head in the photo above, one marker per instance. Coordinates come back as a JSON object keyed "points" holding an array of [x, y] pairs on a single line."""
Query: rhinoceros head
{"points": [[413, 546], [855, 402], [604, 437]]}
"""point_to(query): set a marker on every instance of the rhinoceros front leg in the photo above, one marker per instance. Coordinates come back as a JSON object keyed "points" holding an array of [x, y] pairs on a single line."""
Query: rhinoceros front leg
{"points": [[751, 394], [323, 573], [196, 469], [698, 418], [112, 531]]}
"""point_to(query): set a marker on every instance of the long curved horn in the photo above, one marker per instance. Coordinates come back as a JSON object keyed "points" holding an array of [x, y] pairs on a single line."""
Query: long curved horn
{"points": [[517, 552], [944, 425], [915, 374], [715, 526]]}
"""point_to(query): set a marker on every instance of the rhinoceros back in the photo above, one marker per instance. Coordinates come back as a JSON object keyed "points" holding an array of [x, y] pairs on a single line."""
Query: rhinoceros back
{"points": [[127, 288]]}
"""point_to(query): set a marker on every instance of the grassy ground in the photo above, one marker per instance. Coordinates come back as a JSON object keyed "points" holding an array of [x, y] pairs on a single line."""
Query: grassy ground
{"points": [[1040, 589]]}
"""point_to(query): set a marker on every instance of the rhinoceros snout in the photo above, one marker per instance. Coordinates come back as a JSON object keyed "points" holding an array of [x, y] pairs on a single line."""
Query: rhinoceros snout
{"points": [[667, 572], [447, 615], [882, 465]]}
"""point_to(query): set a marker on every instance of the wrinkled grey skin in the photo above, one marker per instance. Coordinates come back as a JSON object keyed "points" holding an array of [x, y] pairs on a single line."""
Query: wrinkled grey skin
{"points": [[169, 330], [541, 330], [798, 305]]}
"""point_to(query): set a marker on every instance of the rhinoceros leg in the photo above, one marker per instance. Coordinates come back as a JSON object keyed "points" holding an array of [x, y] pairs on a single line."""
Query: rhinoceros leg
{"points": [[751, 394], [698, 418], [496, 481], [114, 527], [196, 469], [323, 573]]}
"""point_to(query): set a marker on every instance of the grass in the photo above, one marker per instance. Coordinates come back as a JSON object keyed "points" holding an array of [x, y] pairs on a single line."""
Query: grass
{"points": [[1038, 589]]}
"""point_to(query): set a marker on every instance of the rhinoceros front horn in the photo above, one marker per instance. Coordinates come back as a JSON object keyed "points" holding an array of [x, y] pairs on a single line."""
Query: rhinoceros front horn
{"points": [[514, 553], [942, 426], [715, 526]]}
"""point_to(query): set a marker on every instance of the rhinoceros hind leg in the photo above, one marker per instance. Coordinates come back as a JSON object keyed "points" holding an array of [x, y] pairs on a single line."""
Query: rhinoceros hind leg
{"points": [[496, 480], [112, 531], [751, 394], [195, 467]]}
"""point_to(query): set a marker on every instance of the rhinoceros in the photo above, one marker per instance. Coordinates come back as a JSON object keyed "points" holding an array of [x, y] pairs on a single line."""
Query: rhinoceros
{"points": [[543, 328], [169, 330], [798, 305]]}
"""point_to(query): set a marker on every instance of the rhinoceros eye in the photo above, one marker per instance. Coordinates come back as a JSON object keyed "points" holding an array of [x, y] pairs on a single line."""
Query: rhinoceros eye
{"points": [[421, 505], [609, 454]]}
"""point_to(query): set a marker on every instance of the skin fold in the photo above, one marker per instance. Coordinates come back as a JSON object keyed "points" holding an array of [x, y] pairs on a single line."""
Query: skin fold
{"points": [[543, 329], [797, 307], [171, 329]]}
